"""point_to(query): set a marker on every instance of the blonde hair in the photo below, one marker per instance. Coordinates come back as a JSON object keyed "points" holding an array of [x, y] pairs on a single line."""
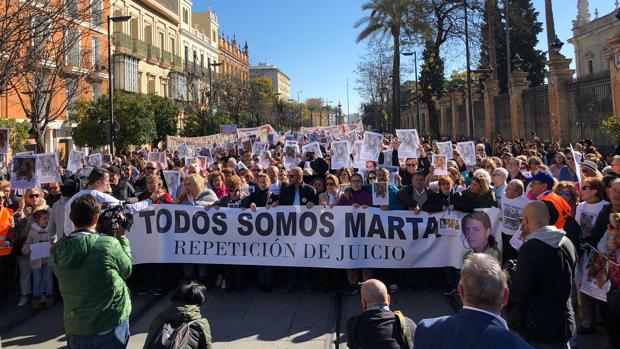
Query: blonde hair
{"points": [[614, 220], [197, 184]]}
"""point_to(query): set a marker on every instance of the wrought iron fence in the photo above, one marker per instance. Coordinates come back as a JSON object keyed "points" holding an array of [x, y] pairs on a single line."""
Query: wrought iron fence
{"points": [[448, 126], [479, 126], [463, 128], [536, 112], [589, 103], [502, 116]]}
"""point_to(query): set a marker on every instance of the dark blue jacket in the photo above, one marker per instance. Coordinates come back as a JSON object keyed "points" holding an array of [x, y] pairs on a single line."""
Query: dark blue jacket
{"points": [[468, 329]]}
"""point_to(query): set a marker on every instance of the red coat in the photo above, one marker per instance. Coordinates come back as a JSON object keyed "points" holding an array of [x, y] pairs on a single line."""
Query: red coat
{"points": [[166, 199]]}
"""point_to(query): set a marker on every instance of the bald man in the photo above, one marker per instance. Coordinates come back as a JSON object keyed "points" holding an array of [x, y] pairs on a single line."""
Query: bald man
{"points": [[541, 309], [378, 327]]}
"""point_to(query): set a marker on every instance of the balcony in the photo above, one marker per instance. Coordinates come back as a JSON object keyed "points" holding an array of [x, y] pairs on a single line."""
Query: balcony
{"points": [[177, 63], [154, 54], [122, 43], [139, 48], [166, 59]]}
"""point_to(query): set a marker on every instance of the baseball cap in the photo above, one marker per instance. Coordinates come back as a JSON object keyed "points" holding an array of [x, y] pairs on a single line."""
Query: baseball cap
{"points": [[543, 177]]}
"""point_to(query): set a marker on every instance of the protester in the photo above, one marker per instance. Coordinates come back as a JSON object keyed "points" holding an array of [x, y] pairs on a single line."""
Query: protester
{"points": [[512, 216], [332, 195], [91, 269], [484, 292], [184, 309], [541, 309], [196, 193], [478, 195], [31, 202], [378, 326], [121, 188], [6, 257]]}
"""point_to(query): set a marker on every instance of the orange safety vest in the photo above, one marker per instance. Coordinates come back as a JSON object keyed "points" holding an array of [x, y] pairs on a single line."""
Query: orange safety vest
{"points": [[563, 208], [6, 222]]}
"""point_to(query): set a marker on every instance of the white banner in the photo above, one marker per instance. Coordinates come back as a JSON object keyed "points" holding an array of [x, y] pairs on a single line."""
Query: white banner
{"points": [[339, 237]]}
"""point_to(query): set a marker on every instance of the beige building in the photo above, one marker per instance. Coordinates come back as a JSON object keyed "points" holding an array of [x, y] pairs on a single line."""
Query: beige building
{"points": [[281, 81], [146, 49], [590, 39]]}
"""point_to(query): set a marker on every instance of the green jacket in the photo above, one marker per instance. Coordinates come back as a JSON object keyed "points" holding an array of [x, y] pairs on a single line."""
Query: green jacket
{"points": [[177, 313], [91, 270]]}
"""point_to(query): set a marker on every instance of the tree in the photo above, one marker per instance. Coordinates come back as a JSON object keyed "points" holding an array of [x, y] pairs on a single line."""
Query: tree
{"points": [[524, 30], [387, 17], [54, 62], [18, 133], [132, 111], [261, 101], [232, 96], [166, 114]]}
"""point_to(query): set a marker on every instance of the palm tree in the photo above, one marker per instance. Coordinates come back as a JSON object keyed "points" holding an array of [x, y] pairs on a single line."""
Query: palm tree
{"points": [[387, 17], [550, 27]]}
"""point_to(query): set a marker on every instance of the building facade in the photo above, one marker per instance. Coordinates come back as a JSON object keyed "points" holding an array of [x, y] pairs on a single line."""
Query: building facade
{"points": [[590, 39], [235, 60], [281, 82], [77, 70]]}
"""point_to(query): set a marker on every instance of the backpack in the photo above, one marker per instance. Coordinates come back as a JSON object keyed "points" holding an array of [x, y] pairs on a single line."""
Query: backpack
{"points": [[169, 337]]}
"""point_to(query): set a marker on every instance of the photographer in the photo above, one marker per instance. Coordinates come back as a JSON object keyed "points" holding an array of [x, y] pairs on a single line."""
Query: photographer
{"points": [[91, 269]]}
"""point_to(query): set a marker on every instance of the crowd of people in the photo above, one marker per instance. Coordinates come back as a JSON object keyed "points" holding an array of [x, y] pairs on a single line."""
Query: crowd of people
{"points": [[562, 203]]}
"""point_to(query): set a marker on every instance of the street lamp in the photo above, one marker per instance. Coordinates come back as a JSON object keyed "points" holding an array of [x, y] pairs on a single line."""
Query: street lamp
{"points": [[204, 123], [415, 67], [301, 118], [112, 127]]}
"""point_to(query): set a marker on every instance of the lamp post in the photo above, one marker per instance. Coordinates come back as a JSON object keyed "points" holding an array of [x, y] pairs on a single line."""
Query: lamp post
{"points": [[301, 117], [111, 127], [204, 123], [415, 71]]}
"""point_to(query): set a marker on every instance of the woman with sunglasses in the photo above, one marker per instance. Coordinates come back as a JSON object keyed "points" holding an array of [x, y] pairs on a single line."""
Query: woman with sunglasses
{"points": [[344, 175], [32, 201], [331, 196], [358, 197], [559, 162], [569, 172]]}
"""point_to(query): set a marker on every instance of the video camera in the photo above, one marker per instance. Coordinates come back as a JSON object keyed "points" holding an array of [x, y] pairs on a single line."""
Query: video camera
{"points": [[113, 218]]}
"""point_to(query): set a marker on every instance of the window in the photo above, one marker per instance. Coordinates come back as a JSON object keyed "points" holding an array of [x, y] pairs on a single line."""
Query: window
{"points": [[42, 40], [97, 11], [202, 60], [73, 7], [186, 56], [590, 67], [72, 42], [172, 48], [97, 91], [195, 58], [185, 16], [72, 92], [214, 35], [96, 59]]}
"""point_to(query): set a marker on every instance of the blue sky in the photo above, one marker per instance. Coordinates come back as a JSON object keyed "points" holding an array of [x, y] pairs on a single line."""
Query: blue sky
{"points": [[313, 42]]}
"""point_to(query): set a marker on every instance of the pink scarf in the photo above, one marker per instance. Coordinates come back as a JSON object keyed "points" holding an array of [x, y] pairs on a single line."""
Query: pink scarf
{"points": [[221, 191]]}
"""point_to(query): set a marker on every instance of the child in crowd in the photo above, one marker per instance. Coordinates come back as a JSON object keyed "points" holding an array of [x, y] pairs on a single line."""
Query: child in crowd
{"points": [[43, 284]]}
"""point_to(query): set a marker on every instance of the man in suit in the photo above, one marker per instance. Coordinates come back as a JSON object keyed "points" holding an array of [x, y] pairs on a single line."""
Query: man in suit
{"points": [[298, 193], [484, 291], [378, 327]]}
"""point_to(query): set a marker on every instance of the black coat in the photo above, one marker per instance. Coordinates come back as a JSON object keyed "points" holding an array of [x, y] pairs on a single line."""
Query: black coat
{"points": [[540, 306], [470, 201], [123, 190], [260, 198], [375, 329], [600, 226], [424, 166], [307, 194], [437, 201]]}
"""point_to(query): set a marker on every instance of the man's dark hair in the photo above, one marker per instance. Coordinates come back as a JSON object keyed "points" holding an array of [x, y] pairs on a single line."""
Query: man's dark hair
{"points": [[419, 173], [69, 187], [190, 292], [114, 170], [84, 210], [97, 174]]}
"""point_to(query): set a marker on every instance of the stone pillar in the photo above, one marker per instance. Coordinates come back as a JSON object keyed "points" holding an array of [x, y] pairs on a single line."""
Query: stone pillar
{"points": [[456, 98], [559, 76], [517, 85], [614, 71], [491, 90], [444, 104], [475, 97]]}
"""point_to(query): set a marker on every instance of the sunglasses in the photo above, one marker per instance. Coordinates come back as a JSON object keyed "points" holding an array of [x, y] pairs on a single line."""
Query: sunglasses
{"points": [[2, 197], [411, 165], [586, 187], [150, 168], [371, 178], [33, 196], [356, 181]]}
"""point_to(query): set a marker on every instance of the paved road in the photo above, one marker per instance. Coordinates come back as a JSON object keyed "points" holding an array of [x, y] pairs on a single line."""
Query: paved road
{"points": [[246, 320]]}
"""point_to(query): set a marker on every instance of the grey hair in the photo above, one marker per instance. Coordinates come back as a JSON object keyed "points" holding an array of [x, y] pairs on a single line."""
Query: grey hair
{"points": [[483, 282], [518, 186], [503, 171], [482, 173]]}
